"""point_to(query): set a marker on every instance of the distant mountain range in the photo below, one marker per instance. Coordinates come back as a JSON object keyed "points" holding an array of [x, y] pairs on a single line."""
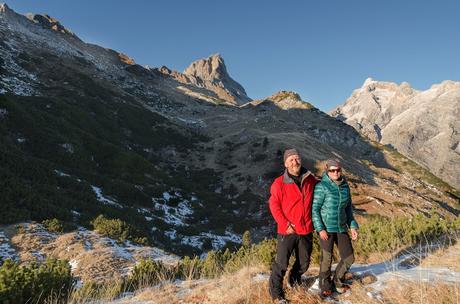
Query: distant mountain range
{"points": [[186, 158], [422, 125]]}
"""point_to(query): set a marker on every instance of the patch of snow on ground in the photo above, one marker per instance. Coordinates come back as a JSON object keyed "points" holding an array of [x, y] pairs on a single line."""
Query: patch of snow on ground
{"points": [[75, 213], [68, 147], [166, 196], [6, 250], [60, 173], [398, 268], [104, 200], [172, 234], [217, 241], [194, 241], [173, 215], [73, 264]]}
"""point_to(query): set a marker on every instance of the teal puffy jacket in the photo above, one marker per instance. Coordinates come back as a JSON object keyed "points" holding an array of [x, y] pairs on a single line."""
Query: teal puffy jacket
{"points": [[332, 209]]}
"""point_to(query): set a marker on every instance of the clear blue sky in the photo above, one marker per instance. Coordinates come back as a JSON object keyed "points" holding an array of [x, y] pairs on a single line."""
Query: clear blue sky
{"points": [[321, 49]]}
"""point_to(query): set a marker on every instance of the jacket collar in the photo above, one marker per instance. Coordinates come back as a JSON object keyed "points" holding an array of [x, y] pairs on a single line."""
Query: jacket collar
{"points": [[304, 173]]}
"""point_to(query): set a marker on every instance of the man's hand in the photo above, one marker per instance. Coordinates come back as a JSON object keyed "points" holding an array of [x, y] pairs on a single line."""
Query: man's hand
{"points": [[290, 229], [354, 234], [323, 235]]}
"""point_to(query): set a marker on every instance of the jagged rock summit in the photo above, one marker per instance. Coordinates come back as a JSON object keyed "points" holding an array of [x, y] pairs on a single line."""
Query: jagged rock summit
{"points": [[213, 72], [423, 125], [46, 21], [284, 100], [49, 22], [4, 8], [212, 68]]}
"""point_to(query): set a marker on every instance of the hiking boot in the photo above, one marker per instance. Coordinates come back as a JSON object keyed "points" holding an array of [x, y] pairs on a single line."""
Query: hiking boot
{"points": [[343, 289], [326, 294]]}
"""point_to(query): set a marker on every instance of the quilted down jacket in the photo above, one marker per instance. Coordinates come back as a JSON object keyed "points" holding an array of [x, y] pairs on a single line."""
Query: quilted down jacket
{"points": [[289, 204], [332, 208]]}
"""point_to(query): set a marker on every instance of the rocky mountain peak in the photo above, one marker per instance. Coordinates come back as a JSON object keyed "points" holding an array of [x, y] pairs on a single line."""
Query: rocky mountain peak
{"points": [[211, 68], [4, 8], [371, 85], [285, 100], [446, 85], [49, 22], [422, 125], [368, 81], [213, 72]]}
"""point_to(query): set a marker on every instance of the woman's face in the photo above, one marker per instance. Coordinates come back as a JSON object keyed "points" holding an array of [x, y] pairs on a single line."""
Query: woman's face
{"points": [[334, 173]]}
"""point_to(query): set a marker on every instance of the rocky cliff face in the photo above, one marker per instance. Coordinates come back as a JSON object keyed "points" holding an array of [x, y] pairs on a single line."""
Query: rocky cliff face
{"points": [[213, 72], [423, 125]]}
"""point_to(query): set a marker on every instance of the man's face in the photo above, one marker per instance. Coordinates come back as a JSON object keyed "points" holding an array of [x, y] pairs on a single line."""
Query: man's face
{"points": [[293, 164], [334, 173]]}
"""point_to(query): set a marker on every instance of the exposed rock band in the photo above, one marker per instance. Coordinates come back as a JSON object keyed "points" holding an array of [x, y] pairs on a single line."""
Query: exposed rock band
{"points": [[300, 205]]}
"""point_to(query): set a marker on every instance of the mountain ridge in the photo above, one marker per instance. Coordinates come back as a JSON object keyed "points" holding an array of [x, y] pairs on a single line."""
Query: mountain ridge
{"points": [[423, 125]]}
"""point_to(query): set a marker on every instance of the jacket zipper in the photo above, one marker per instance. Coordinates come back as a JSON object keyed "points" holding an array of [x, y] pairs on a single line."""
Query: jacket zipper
{"points": [[303, 205], [338, 209]]}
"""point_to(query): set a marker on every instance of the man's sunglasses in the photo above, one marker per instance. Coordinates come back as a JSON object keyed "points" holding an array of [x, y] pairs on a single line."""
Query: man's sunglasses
{"points": [[334, 170]]}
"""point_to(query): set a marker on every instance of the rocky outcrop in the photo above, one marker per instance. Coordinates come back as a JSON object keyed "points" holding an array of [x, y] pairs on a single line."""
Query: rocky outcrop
{"points": [[211, 73], [285, 100], [423, 125], [49, 22]]}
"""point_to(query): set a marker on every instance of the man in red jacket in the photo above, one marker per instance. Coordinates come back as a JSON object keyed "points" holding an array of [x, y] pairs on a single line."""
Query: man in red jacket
{"points": [[290, 202]]}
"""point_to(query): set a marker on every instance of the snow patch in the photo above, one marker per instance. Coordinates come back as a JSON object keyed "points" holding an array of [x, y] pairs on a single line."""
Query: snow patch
{"points": [[173, 215], [103, 199], [75, 213], [73, 265], [217, 241], [68, 147], [172, 234], [60, 173], [194, 241], [166, 196], [6, 250]]}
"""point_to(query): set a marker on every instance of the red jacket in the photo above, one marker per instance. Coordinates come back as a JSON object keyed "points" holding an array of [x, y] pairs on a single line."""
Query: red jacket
{"points": [[290, 205]]}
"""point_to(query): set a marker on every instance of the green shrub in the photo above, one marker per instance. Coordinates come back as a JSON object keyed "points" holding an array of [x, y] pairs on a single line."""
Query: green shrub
{"points": [[113, 228], [36, 282], [149, 272], [382, 235], [54, 225], [92, 292], [246, 239]]}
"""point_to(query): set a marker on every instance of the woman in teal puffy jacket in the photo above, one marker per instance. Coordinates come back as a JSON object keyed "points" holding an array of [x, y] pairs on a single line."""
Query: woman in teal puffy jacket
{"points": [[332, 214]]}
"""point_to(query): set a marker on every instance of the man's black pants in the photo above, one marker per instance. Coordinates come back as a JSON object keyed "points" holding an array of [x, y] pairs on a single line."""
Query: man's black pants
{"points": [[301, 246], [343, 242]]}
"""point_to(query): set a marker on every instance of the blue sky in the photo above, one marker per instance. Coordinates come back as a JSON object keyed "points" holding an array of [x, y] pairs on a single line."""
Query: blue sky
{"points": [[321, 49]]}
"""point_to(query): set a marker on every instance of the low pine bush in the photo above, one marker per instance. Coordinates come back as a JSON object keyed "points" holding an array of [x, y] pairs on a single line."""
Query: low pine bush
{"points": [[35, 282]]}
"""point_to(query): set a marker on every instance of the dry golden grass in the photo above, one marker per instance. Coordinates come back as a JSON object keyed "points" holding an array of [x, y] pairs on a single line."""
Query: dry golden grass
{"points": [[239, 288], [245, 287], [444, 257], [422, 292]]}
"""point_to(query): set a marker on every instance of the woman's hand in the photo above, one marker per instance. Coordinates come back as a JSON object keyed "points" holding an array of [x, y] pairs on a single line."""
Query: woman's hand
{"points": [[354, 234], [323, 235]]}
